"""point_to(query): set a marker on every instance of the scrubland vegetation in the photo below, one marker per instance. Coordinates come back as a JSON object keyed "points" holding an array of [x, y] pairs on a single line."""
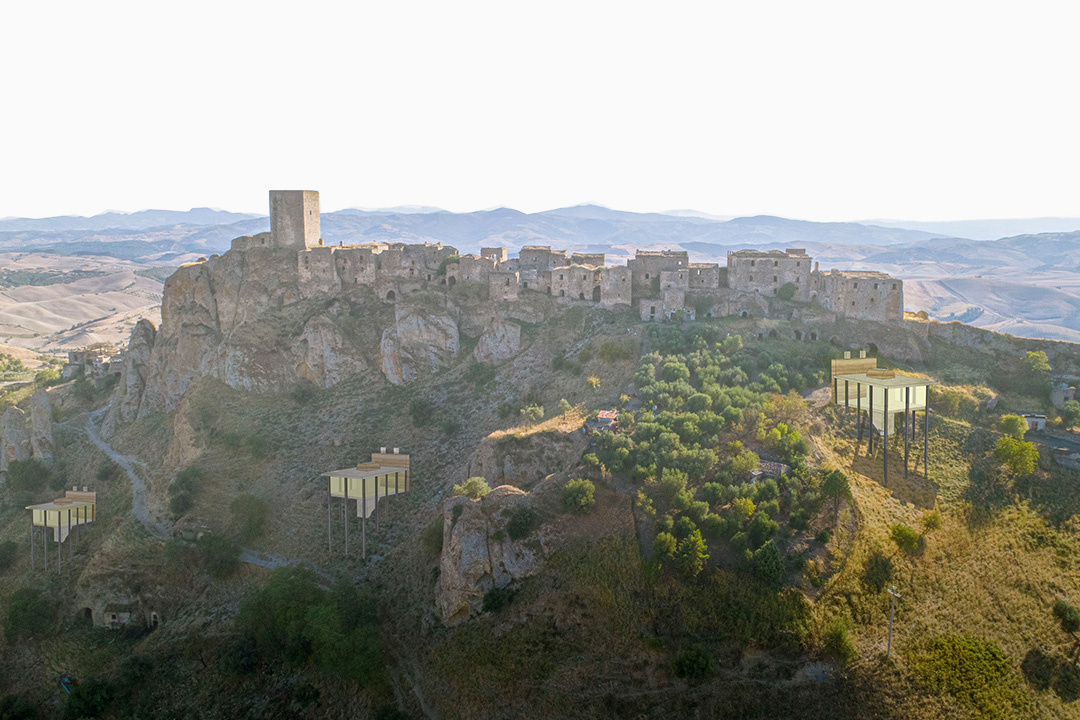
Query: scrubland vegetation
{"points": [[678, 581]]}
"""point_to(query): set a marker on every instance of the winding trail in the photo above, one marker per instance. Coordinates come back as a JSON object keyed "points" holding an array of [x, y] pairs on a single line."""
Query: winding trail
{"points": [[158, 529], [138, 487]]}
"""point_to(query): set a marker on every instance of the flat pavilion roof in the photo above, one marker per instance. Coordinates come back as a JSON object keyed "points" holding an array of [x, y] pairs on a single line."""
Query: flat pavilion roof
{"points": [[354, 474], [61, 506], [897, 381]]}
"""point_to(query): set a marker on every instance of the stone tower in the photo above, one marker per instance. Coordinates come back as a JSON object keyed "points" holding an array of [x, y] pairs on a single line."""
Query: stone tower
{"points": [[294, 218]]}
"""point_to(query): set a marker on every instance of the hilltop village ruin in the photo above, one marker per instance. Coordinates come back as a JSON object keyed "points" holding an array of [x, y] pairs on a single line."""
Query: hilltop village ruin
{"points": [[661, 284]]}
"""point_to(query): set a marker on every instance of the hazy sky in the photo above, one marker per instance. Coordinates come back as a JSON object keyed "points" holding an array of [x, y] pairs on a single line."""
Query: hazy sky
{"points": [[818, 110]]}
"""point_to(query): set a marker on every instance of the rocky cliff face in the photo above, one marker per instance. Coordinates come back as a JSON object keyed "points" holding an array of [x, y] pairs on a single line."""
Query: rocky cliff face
{"points": [[478, 555], [418, 342], [14, 440], [251, 319], [25, 437]]}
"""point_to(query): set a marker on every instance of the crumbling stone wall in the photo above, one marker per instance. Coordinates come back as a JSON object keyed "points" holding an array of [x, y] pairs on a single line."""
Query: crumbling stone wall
{"points": [[862, 295], [766, 271]]}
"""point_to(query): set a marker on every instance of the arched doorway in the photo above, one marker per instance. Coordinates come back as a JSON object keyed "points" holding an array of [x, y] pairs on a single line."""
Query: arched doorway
{"points": [[744, 314], [813, 336], [772, 335], [596, 294], [581, 296], [390, 296], [798, 334], [452, 281]]}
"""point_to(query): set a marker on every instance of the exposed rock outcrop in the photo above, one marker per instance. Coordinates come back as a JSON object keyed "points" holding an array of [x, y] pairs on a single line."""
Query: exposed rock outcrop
{"points": [[525, 460], [14, 439], [478, 554], [40, 428], [256, 322], [419, 342], [183, 449], [132, 372], [501, 340]]}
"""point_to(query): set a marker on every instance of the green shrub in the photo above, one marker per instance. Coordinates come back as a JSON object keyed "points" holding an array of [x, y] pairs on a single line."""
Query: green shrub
{"points": [[431, 537], [496, 598], [422, 412], [838, 643], [27, 475], [693, 663], [47, 377], [579, 496], [761, 528], [16, 707], [293, 619], [664, 546], [248, 516], [713, 525], [974, 671], [303, 393], [522, 521], [684, 526], [713, 493], [768, 564], [690, 555], [29, 613], [107, 471], [1014, 426], [1070, 413], [1018, 456], [8, 552], [474, 487], [219, 556], [184, 489], [480, 375], [533, 413], [89, 699], [1068, 616], [565, 406], [905, 537], [786, 292], [84, 390]]}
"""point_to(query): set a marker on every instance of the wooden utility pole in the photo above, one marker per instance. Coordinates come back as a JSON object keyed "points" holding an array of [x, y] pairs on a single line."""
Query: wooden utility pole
{"points": [[892, 610]]}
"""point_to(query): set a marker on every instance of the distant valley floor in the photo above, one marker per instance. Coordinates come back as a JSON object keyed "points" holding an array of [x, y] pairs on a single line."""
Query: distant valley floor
{"points": [[53, 303]]}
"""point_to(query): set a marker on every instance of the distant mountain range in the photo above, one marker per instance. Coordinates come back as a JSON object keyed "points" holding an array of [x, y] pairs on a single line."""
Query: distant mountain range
{"points": [[1027, 284], [986, 229], [142, 220], [160, 236]]}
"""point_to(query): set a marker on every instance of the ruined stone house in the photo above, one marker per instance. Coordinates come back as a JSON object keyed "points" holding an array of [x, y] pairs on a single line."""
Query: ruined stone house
{"points": [[660, 283]]}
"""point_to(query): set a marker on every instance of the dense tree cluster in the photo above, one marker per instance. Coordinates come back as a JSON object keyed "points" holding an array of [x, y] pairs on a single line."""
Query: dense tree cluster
{"points": [[704, 404]]}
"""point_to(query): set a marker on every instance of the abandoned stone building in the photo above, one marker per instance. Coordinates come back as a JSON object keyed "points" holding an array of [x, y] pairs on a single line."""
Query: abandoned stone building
{"points": [[766, 271], [858, 294], [661, 284]]}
